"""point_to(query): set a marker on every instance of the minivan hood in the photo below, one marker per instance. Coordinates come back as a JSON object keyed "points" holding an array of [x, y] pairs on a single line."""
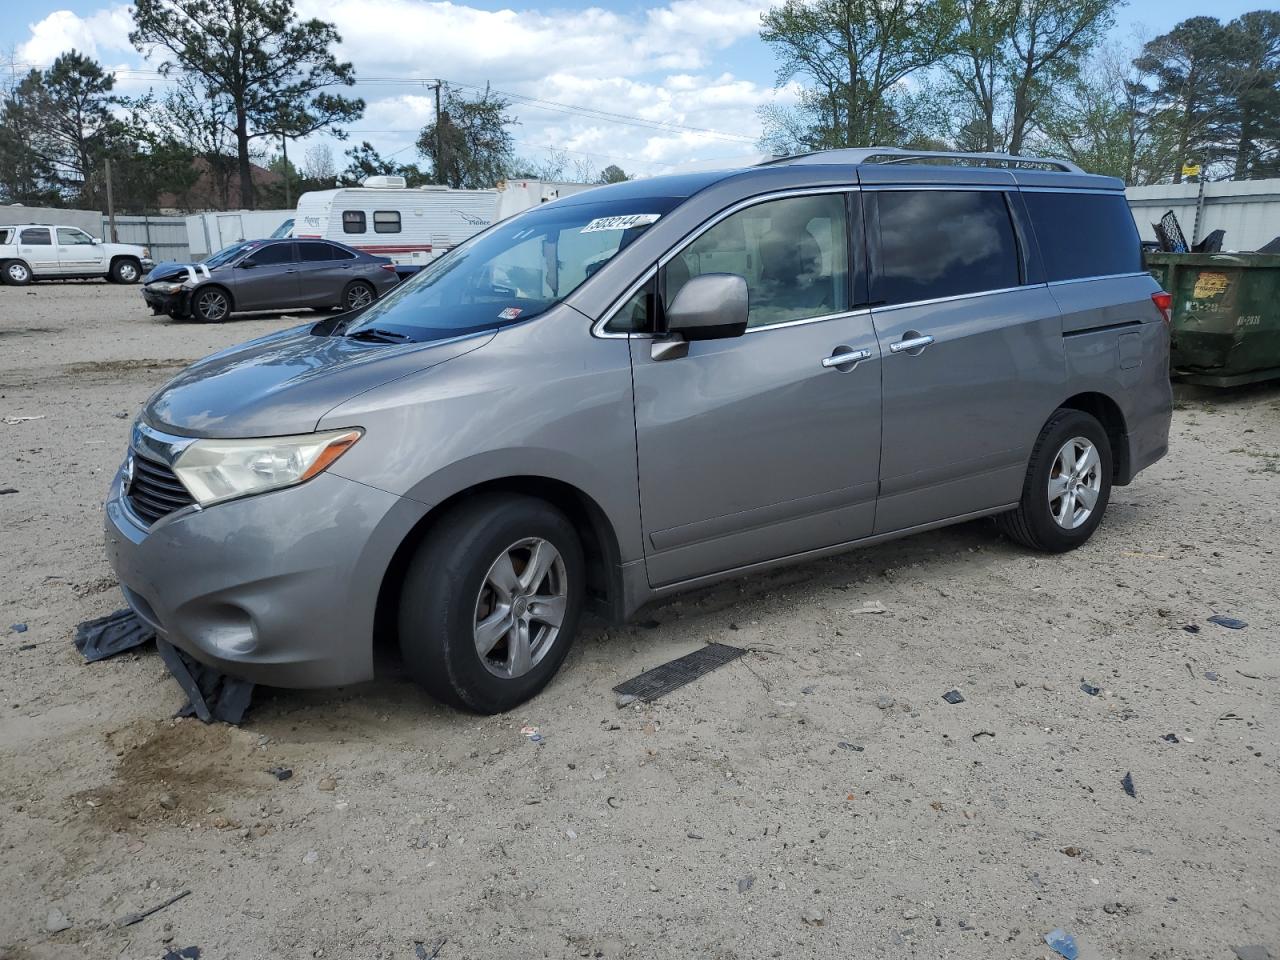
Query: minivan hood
{"points": [[285, 382]]}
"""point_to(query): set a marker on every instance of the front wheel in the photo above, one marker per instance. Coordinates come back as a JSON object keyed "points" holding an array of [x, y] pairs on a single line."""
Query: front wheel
{"points": [[490, 602], [211, 305], [1067, 488], [125, 271]]}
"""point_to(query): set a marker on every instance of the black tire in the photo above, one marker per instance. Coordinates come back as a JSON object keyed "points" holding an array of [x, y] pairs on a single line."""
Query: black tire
{"points": [[357, 296], [1033, 523], [442, 588], [125, 270], [204, 304], [17, 273]]}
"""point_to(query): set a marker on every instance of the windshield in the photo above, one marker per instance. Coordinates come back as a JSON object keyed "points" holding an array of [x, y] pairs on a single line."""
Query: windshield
{"points": [[514, 270], [227, 254]]}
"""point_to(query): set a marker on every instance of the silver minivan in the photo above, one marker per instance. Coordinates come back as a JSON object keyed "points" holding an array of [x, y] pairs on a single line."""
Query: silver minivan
{"points": [[641, 389]]}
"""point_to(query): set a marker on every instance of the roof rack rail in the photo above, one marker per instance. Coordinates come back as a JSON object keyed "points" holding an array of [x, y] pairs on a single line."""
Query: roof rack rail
{"points": [[898, 155]]}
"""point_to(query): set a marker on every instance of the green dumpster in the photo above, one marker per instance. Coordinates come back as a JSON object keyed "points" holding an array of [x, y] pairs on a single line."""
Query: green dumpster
{"points": [[1226, 315]]}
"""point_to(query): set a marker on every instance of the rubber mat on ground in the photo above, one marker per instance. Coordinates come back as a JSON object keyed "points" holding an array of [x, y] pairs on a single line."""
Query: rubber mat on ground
{"points": [[661, 680]]}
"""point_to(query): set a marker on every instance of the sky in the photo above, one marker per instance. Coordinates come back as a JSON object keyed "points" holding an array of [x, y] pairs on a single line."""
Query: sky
{"points": [[649, 87]]}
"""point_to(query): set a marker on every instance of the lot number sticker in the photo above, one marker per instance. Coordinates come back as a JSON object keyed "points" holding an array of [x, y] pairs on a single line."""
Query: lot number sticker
{"points": [[625, 222]]}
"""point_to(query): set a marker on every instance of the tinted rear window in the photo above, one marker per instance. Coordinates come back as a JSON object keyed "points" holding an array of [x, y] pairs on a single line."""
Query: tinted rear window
{"points": [[1084, 234], [943, 243]]}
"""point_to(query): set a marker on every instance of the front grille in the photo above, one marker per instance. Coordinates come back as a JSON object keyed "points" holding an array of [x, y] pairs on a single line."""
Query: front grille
{"points": [[155, 491]]}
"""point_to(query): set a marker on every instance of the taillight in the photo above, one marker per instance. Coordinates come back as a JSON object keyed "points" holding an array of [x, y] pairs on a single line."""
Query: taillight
{"points": [[392, 268], [1164, 303]]}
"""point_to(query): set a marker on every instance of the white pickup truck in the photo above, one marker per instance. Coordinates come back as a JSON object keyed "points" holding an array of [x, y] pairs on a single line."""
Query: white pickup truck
{"points": [[41, 251]]}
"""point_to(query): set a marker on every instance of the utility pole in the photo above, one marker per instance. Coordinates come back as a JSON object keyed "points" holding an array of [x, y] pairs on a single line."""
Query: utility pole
{"points": [[111, 205], [439, 136], [284, 151]]}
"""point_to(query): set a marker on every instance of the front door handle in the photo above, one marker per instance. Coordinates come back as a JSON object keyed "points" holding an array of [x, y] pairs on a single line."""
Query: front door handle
{"points": [[912, 343], [849, 359]]}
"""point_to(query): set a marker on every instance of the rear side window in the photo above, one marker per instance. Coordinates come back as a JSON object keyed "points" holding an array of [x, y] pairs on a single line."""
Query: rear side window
{"points": [[943, 243], [1084, 234], [386, 221], [37, 237], [353, 221]]}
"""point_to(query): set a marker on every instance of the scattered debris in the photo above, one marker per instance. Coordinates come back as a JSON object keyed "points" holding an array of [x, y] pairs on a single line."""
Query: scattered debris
{"points": [[14, 421], [1073, 851], [211, 695], [813, 916], [652, 684], [1231, 623], [1062, 943], [746, 883], [5, 490], [327, 784], [1253, 951], [626, 700], [1090, 689], [168, 801], [281, 773], [531, 734], [953, 696], [885, 702], [983, 733], [1210, 675], [1127, 783], [1192, 628], [311, 856], [186, 953], [871, 606], [132, 918], [27, 646], [1170, 738], [846, 745], [115, 633], [420, 949], [694, 836], [56, 921], [18, 628]]}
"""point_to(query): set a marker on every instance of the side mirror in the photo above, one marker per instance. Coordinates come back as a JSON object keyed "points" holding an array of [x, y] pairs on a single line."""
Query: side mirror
{"points": [[95, 240], [246, 263], [709, 307]]}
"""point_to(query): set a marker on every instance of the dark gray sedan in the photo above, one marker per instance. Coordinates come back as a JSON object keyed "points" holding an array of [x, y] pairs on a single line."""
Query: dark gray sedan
{"points": [[281, 274]]}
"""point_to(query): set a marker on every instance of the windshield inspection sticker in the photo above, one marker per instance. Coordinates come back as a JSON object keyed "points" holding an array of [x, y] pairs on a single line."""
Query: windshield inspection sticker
{"points": [[620, 223], [510, 313]]}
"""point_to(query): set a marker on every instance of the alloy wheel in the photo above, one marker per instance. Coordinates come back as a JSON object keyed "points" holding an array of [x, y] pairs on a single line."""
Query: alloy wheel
{"points": [[1075, 482], [212, 305], [520, 607], [358, 297], [128, 272]]}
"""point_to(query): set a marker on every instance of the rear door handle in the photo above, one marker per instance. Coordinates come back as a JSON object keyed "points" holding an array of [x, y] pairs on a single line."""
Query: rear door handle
{"points": [[913, 343], [850, 359]]}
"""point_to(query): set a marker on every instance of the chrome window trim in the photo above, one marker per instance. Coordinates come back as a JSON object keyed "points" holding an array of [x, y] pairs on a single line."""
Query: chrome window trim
{"points": [[954, 187], [859, 312], [1101, 276], [957, 296], [1096, 191], [598, 330]]}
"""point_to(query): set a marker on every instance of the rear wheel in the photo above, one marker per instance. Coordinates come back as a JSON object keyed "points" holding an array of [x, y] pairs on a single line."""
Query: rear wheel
{"points": [[358, 295], [17, 273], [1068, 485], [490, 602], [211, 305]]}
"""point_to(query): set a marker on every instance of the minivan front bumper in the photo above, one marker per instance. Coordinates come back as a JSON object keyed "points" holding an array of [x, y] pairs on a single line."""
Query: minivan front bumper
{"points": [[279, 588]]}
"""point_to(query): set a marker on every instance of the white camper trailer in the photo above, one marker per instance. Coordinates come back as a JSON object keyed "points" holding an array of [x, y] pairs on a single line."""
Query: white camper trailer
{"points": [[414, 225]]}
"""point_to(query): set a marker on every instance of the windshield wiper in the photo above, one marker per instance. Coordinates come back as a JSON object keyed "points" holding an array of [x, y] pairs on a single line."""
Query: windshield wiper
{"points": [[378, 335]]}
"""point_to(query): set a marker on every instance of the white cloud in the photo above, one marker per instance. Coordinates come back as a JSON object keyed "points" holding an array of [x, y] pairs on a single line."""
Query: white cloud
{"points": [[105, 31]]}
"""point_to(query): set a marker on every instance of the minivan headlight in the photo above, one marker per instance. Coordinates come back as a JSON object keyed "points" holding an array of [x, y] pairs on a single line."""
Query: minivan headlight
{"points": [[217, 470]]}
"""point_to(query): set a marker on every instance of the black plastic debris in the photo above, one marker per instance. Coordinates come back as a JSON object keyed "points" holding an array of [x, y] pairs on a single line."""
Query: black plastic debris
{"points": [[846, 745], [1231, 623], [115, 633], [211, 695], [1127, 783], [131, 919], [1090, 689], [1192, 628], [1170, 738], [652, 684], [420, 949], [7, 490], [18, 628], [953, 696], [281, 773], [186, 953]]}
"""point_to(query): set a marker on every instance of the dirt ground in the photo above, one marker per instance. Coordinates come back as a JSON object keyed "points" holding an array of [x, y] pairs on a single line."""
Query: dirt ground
{"points": [[815, 798]]}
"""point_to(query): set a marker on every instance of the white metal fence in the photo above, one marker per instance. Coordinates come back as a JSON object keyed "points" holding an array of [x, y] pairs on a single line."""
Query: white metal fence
{"points": [[1248, 210], [166, 236]]}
